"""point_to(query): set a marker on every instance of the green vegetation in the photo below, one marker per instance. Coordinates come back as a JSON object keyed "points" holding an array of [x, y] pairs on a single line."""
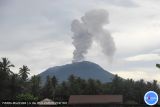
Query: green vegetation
{"points": [[158, 65], [26, 97], [21, 88]]}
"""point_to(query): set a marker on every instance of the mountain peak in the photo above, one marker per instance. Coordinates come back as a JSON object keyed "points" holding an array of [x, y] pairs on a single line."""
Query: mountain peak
{"points": [[84, 70]]}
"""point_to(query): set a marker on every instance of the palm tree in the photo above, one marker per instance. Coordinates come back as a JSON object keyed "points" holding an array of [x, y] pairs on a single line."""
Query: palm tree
{"points": [[5, 66], [158, 65], [23, 72], [5, 73]]}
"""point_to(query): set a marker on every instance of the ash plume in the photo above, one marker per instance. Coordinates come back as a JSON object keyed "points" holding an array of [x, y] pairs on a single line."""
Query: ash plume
{"points": [[90, 29]]}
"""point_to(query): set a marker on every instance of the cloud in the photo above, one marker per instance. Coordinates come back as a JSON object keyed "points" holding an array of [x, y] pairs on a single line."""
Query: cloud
{"points": [[140, 73], [37, 33], [157, 51], [144, 57], [40, 55], [20, 25], [123, 3]]}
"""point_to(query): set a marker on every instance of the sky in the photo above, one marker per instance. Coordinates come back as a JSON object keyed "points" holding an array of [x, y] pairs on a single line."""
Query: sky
{"points": [[37, 33]]}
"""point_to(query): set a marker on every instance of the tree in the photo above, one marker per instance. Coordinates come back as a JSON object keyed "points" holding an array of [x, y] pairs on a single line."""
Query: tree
{"points": [[71, 79], [5, 66], [158, 65], [48, 88], [54, 81], [23, 72], [62, 92], [128, 90], [14, 85], [5, 73], [155, 86], [35, 85], [54, 84], [73, 84], [140, 89], [117, 84], [91, 87]]}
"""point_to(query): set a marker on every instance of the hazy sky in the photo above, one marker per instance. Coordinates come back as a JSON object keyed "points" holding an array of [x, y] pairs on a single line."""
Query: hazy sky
{"points": [[38, 33]]}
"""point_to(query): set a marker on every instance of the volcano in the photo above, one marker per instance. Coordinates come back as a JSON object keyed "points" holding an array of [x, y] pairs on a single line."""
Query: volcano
{"points": [[85, 70]]}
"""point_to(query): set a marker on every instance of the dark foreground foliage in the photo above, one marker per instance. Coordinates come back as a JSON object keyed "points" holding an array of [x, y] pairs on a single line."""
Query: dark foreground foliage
{"points": [[20, 88], [82, 105]]}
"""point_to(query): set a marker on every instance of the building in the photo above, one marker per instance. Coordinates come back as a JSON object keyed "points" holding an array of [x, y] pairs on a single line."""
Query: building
{"points": [[95, 99], [46, 101]]}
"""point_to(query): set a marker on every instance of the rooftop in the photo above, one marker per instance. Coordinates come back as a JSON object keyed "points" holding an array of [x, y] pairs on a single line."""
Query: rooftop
{"points": [[95, 99]]}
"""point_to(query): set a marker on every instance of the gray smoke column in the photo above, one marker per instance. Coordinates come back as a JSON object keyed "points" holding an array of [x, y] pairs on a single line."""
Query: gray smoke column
{"points": [[90, 29]]}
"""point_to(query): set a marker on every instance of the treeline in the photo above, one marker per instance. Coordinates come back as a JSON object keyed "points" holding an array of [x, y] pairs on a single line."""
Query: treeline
{"points": [[17, 86]]}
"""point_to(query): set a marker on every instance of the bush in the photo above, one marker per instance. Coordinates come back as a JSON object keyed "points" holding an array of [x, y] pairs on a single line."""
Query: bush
{"points": [[26, 97]]}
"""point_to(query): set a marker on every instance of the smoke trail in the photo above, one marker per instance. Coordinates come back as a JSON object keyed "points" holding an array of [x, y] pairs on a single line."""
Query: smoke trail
{"points": [[91, 28]]}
